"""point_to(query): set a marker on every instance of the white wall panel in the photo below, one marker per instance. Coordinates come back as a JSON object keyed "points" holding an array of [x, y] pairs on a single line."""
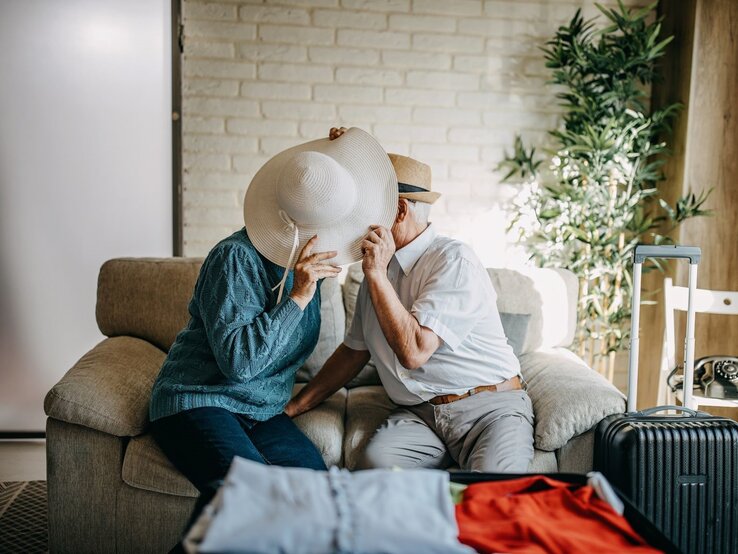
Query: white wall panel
{"points": [[85, 175]]}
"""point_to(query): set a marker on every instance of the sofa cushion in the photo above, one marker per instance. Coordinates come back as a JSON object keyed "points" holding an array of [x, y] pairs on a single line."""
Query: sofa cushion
{"points": [[576, 456], [324, 425], [548, 295], [109, 388], [516, 330], [146, 467], [543, 462], [568, 397], [332, 329], [366, 408], [146, 297]]}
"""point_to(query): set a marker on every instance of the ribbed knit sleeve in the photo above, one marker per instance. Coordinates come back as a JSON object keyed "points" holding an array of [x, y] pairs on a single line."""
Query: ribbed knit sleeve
{"points": [[244, 337]]}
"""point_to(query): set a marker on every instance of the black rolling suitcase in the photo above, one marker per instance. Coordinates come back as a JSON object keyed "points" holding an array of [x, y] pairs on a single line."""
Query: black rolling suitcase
{"points": [[680, 470]]}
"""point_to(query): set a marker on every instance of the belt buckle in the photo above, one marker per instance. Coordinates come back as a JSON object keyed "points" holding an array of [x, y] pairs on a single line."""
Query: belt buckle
{"points": [[472, 392]]}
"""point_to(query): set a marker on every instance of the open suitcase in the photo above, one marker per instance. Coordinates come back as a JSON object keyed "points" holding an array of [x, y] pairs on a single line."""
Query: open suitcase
{"points": [[640, 524], [680, 470]]}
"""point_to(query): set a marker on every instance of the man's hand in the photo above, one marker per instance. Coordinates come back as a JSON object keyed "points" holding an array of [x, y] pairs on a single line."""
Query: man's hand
{"points": [[291, 409], [378, 247], [343, 365], [336, 132], [308, 269]]}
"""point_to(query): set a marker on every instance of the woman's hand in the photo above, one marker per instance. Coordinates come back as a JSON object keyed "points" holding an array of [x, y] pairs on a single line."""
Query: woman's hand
{"points": [[308, 269]]}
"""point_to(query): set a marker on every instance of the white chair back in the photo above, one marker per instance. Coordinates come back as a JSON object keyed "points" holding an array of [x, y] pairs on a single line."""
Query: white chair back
{"points": [[676, 299]]}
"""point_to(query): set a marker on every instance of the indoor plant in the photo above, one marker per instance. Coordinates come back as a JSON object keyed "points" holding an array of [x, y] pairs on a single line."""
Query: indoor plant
{"points": [[595, 198]]}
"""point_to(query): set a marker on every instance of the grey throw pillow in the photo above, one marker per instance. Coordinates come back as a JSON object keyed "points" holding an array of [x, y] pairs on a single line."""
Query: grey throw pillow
{"points": [[568, 397], [516, 330]]}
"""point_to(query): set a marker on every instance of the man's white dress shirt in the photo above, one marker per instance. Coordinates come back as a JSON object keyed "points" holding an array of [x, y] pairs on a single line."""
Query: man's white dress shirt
{"points": [[443, 284]]}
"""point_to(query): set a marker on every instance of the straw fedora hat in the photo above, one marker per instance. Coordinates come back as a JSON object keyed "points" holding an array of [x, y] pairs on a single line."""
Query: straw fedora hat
{"points": [[334, 189], [413, 179]]}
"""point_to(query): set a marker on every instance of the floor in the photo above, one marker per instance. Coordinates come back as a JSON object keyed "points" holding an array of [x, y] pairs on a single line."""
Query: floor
{"points": [[22, 460], [23, 496]]}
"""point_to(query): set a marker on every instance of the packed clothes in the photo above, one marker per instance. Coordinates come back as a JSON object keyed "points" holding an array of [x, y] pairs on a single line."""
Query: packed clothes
{"points": [[537, 514], [268, 509]]}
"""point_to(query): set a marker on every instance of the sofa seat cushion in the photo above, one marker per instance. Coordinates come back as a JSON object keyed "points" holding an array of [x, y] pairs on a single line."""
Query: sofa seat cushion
{"points": [[324, 425], [146, 467], [543, 462], [109, 388], [366, 408], [577, 455]]}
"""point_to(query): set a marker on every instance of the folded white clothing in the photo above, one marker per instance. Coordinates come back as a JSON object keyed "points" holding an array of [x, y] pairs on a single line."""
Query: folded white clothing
{"points": [[270, 509]]}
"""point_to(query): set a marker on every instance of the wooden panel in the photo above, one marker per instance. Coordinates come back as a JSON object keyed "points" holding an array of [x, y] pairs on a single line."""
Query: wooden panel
{"points": [[710, 160], [679, 19], [701, 70]]}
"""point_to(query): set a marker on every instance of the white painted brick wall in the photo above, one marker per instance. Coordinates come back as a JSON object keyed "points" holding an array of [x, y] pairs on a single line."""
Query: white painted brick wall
{"points": [[447, 81]]}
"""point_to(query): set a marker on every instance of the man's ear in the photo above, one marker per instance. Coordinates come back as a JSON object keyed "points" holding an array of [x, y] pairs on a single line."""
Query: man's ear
{"points": [[402, 210]]}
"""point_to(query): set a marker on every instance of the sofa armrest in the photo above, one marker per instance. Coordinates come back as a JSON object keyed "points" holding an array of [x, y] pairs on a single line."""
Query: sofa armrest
{"points": [[109, 388], [568, 397]]}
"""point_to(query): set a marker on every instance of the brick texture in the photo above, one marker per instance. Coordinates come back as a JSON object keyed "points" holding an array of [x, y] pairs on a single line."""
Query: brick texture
{"points": [[448, 82]]}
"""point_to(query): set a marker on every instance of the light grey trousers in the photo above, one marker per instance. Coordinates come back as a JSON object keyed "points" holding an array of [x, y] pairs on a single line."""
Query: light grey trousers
{"points": [[488, 431]]}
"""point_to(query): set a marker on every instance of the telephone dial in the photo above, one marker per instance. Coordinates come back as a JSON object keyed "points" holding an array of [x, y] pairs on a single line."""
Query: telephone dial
{"points": [[717, 376]]}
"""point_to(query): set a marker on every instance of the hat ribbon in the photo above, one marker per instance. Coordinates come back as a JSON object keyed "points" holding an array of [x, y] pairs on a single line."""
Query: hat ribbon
{"points": [[295, 243], [404, 187]]}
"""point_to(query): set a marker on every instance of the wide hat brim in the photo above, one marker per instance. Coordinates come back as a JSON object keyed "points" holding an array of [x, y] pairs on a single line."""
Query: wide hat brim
{"points": [[376, 201]]}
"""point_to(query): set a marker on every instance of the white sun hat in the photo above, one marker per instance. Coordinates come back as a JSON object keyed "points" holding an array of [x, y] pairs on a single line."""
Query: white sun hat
{"points": [[334, 189]]}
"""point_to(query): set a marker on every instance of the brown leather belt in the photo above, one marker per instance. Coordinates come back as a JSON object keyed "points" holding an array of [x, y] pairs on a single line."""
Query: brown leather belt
{"points": [[511, 384]]}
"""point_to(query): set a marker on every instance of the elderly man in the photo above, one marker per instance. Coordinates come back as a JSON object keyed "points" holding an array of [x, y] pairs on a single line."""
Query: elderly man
{"points": [[426, 313]]}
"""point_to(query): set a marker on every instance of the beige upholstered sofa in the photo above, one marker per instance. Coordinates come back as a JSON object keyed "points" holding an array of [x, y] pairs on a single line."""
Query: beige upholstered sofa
{"points": [[112, 490]]}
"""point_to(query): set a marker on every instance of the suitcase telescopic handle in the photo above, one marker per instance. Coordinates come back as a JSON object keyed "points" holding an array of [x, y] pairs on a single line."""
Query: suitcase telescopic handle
{"points": [[640, 253], [643, 251]]}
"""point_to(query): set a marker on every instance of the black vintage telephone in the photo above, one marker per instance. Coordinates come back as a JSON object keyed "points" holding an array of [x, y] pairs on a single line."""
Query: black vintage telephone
{"points": [[717, 376]]}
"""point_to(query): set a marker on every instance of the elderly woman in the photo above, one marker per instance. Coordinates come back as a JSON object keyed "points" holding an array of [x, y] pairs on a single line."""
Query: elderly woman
{"points": [[254, 320]]}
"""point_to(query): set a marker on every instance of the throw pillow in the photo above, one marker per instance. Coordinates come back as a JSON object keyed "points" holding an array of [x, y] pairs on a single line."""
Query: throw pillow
{"points": [[568, 397], [516, 330]]}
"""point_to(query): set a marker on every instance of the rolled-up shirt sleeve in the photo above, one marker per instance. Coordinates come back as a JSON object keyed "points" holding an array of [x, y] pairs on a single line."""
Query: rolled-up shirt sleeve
{"points": [[450, 300], [354, 338]]}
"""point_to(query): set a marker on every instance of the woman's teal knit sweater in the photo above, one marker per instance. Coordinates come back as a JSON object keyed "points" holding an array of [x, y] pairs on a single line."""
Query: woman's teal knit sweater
{"points": [[240, 349]]}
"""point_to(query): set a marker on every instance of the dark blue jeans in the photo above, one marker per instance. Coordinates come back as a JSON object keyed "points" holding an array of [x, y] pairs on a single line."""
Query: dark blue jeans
{"points": [[202, 442]]}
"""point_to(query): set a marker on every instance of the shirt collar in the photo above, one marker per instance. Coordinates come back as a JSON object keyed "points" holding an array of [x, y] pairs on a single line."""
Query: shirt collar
{"points": [[409, 254]]}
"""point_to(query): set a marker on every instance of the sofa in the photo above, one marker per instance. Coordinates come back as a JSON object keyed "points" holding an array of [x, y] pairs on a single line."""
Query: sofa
{"points": [[110, 489]]}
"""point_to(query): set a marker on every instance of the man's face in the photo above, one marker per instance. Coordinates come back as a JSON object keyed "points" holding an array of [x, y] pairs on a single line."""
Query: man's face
{"points": [[401, 218]]}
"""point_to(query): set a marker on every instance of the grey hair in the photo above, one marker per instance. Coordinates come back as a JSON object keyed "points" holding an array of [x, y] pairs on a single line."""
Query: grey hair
{"points": [[420, 211]]}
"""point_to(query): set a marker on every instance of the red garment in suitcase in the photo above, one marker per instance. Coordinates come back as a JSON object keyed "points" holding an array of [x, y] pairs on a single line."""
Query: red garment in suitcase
{"points": [[537, 514], [680, 471]]}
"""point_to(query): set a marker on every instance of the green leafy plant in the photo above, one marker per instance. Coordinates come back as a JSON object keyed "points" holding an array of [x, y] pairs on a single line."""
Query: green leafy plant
{"points": [[596, 197]]}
